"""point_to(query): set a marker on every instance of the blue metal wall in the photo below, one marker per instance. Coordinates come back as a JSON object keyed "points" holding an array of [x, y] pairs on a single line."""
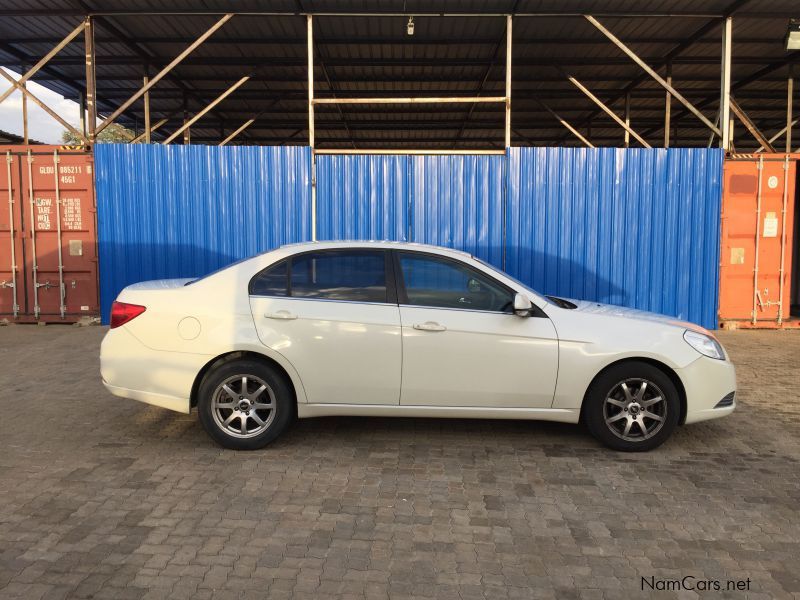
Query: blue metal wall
{"points": [[634, 227], [361, 197], [183, 211]]}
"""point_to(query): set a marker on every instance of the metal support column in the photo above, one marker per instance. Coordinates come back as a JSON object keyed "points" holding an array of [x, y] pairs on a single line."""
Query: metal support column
{"points": [[34, 258], [25, 138], [668, 108], [13, 284], [789, 109], [627, 119], [82, 109], [509, 21], [310, 36], [62, 290], [725, 85], [147, 126], [91, 88]]}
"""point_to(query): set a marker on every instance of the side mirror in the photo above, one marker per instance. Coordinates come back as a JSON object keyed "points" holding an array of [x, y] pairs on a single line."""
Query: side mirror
{"points": [[522, 305]]}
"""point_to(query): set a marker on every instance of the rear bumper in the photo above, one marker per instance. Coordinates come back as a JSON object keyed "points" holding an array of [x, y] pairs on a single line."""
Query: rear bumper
{"points": [[171, 402], [707, 381], [132, 370]]}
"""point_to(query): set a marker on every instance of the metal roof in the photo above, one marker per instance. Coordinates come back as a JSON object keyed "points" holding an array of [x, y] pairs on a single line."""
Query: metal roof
{"points": [[459, 54]]}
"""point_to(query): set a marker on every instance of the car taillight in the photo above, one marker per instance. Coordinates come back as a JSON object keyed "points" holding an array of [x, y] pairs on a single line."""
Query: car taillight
{"points": [[122, 312]]}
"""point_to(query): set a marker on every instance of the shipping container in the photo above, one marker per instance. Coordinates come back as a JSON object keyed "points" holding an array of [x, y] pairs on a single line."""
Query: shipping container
{"points": [[48, 235], [758, 242]]}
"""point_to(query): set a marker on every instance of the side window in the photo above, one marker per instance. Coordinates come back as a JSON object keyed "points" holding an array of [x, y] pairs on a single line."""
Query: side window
{"points": [[272, 281], [355, 276], [444, 283]]}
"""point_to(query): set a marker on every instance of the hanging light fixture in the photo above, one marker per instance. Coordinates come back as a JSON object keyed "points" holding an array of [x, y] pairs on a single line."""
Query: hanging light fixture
{"points": [[410, 26], [793, 35]]}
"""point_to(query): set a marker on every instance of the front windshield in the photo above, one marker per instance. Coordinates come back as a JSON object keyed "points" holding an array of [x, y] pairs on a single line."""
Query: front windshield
{"points": [[514, 279]]}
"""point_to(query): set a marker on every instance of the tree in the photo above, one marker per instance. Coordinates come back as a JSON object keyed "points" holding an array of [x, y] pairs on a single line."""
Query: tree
{"points": [[113, 134]]}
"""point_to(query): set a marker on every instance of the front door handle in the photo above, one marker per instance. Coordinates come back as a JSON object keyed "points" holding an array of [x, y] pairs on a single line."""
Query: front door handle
{"points": [[283, 315], [430, 326]]}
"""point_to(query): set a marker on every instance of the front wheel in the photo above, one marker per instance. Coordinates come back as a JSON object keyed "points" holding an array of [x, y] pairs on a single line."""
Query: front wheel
{"points": [[633, 407], [244, 404]]}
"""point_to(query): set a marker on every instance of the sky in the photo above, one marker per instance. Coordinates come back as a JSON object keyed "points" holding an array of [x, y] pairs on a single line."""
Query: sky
{"points": [[41, 126]]}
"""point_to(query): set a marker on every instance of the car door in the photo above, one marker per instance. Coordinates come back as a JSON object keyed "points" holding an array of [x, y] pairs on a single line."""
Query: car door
{"points": [[462, 343], [333, 314]]}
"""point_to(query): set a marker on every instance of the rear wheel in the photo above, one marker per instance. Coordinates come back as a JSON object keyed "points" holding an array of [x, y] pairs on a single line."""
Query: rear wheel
{"points": [[632, 407], [244, 404]]}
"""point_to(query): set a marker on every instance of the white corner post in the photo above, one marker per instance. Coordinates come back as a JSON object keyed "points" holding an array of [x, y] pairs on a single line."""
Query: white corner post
{"points": [[725, 85], [310, 36]]}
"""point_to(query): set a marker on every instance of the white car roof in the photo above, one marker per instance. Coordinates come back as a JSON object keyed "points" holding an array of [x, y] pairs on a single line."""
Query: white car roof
{"points": [[375, 244]]}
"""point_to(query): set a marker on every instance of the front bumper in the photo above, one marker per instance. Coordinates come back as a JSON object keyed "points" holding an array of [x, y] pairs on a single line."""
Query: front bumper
{"points": [[707, 381]]}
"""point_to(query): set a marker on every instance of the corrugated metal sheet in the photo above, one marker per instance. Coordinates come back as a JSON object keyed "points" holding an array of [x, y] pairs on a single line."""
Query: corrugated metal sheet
{"points": [[454, 201], [457, 201], [362, 197], [635, 227], [183, 211]]}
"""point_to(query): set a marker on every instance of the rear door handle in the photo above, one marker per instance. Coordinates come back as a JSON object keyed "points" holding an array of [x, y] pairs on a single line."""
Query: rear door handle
{"points": [[283, 315], [430, 326]]}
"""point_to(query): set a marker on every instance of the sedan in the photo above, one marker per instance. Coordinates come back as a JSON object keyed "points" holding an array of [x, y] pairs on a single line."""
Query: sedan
{"points": [[406, 330]]}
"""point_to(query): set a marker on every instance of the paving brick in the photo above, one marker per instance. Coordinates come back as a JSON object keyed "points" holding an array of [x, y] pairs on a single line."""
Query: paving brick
{"points": [[142, 505]]}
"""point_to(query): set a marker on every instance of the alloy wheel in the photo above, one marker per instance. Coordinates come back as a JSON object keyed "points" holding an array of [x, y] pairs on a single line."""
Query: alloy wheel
{"points": [[243, 406], [635, 409]]}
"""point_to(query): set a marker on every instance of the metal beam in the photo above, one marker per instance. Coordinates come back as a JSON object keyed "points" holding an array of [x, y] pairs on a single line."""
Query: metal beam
{"points": [[789, 111], [401, 151], [310, 67], [43, 61], [42, 105], [635, 58], [213, 103], [145, 134], [239, 130], [25, 138], [668, 108], [779, 134], [90, 63], [751, 127], [191, 48], [684, 44], [725, 84], [508, 81], [147, 127], [608, 111], [572, 130], [627, 139], [412, 100]]}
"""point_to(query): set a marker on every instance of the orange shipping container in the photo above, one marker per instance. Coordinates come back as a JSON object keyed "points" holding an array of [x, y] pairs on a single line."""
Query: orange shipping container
{"points": [[757, 241], [48, 235]]}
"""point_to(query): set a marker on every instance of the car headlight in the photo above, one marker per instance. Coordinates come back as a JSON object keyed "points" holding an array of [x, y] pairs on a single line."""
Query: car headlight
{"points": [[704, 344]]}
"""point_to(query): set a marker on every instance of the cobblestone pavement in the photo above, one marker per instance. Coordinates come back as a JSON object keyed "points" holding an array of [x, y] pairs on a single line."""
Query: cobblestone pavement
{"points": [[102, 497]]}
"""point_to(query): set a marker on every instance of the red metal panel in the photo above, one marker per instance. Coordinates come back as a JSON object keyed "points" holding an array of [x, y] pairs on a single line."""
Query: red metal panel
{"points": [[757, 229], [55, 234]]}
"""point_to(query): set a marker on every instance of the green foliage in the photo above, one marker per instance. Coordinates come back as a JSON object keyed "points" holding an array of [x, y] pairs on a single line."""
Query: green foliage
{"points": [[114, 133]]}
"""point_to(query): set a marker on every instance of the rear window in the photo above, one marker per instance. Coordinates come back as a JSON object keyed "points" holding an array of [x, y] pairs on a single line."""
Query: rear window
{"points": [[350, 276], [354, 276], [273, 281]]}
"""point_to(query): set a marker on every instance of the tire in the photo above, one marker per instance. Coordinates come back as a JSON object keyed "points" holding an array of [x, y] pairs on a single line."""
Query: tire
{"points": [[265, 410], [632, 407]]}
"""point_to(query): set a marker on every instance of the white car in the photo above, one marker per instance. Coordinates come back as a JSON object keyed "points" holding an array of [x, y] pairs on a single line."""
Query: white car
{"points": [[395, 329]]}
